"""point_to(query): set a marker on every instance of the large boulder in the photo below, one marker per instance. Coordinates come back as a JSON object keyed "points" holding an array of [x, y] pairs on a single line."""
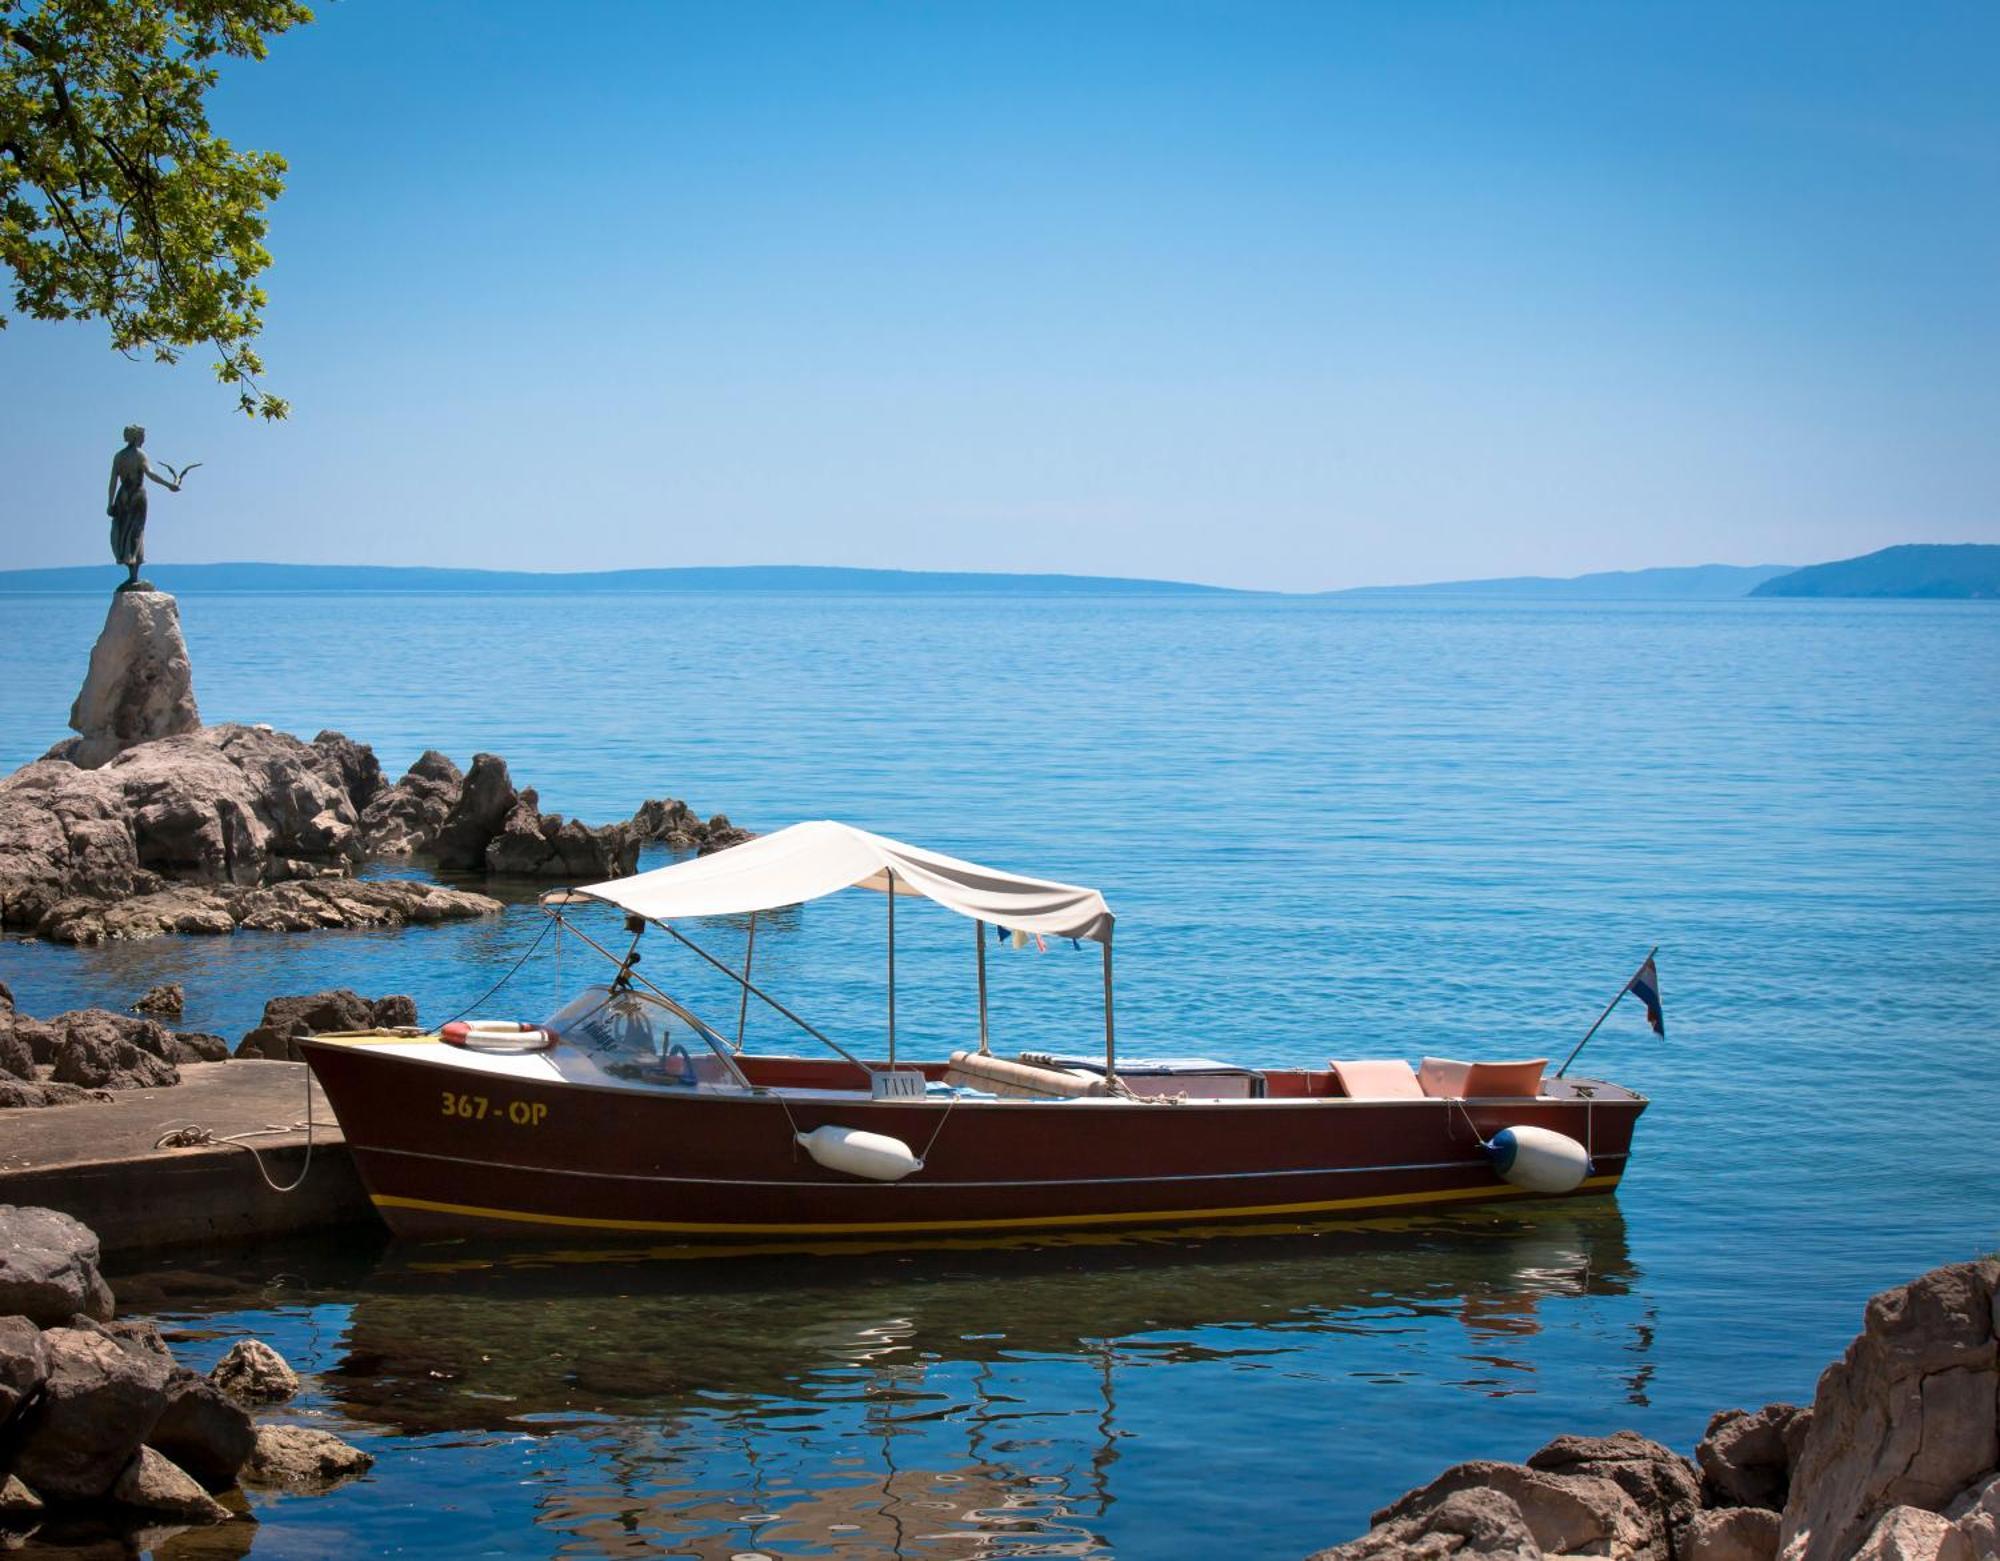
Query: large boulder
{"points": [[153, 1482], [63, 833], [1745, 1459], [670, 822], [254, 1373], [1661, 1482], [17, 1056], [479, 813], [48, 1267], [100, 1402], [298, 1458], [533, 844], [288, 1019], [1913, 1534], [97, 1052], [719, 835], [1566, 1514], [140, 684], [24, 1364], [1730, 1534], [351, 766], [404, 819], [203, 1430], [1909, 1417], [1976, 1511], [1477, 1523]]}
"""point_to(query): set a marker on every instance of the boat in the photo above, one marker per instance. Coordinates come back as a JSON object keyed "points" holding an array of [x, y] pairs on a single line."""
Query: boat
{"points": [[625, 1115]]}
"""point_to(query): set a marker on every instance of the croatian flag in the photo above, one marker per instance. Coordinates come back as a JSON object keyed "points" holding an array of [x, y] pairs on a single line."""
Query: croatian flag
{"points": [[1646, 987]]}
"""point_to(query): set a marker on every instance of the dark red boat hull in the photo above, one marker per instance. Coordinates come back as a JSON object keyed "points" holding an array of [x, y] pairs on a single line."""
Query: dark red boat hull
{"points": [[445, 1152]]}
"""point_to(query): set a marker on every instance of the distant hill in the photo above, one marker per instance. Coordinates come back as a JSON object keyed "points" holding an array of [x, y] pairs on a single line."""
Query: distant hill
{"points": [[753, 577], [1938, 571], [1695, 583]]}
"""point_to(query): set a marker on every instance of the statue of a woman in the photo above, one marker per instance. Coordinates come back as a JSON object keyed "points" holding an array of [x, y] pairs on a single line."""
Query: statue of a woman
{"points": [[127, 508]]}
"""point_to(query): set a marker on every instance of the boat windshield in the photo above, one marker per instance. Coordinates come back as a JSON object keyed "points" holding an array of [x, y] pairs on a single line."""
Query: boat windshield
{"points": [[632, 1037]]}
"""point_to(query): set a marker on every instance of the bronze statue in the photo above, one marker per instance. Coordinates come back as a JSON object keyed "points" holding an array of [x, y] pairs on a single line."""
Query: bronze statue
{"points": [[127, 507]]}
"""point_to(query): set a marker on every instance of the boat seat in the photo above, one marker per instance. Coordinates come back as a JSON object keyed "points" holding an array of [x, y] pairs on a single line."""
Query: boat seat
{"points": [[1448, 1080], [1381, 1079]]}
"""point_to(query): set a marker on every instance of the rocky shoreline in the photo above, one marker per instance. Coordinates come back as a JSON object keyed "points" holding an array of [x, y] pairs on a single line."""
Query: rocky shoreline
{"points": [[1896, 1459], [103, 1432], [148, 822]]}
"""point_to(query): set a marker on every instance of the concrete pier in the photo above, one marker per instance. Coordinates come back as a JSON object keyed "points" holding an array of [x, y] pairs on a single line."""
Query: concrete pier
{"points": [[99, 1163]]}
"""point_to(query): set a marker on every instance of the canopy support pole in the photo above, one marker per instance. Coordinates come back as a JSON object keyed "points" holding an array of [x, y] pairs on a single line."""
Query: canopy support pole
{"points": [[890, 874], [743, 1008], [817, 1034], [1110, 1033], [979, 938]]}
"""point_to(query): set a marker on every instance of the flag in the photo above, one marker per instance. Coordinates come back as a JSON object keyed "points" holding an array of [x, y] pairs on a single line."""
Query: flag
{"points": [[1646, 987]]}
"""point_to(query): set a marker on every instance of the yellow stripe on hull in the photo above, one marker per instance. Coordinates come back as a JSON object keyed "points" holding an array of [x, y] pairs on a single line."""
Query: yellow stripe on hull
{"points": [[1028, 1222]]}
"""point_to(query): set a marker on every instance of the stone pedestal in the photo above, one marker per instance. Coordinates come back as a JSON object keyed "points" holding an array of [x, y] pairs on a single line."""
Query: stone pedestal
{"points": [[140, 685]]}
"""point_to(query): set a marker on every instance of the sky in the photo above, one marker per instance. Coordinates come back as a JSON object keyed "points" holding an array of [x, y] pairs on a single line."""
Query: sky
{"points": [[1292, 296]]}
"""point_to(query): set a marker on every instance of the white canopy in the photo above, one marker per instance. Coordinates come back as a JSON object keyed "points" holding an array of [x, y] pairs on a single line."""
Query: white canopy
{"points": [[809, 860]]}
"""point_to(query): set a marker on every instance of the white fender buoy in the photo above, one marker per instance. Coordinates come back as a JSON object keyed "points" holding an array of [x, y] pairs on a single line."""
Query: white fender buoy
{"points": [[876, 1156], [1538, 1159]]}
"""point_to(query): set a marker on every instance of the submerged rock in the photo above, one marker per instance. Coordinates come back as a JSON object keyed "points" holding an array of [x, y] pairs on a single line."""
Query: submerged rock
{"points": [[164, 1001], [140, 685], [254, 1373], [296, 1458], [48, 1267]]}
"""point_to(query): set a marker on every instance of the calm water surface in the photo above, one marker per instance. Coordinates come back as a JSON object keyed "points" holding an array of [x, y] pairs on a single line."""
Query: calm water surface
{"points": [[1389, 829]]}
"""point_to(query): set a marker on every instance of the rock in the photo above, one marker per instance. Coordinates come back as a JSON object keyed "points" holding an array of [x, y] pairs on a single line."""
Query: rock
{"points": [[17, 1057], [17, 1502], [1730, 1534], [394, 1013], [480, 812], [404, 819], [351, 766], [41, 1038], [533, 844], [54, 1094], [1469, 1523], [164, 1001], [1565, 1513], [720, 835], [670, 822], [24, 1364], [295, 1458], [6, 997], [286, 907], [1913, 1534], [63, 832], [140, 685], [254, 1373], [153, 1482], [1743, 1457], [286, 1019], [1977, 1514], [203, 1430], [48, 1267], [99, 1403], [1907, 1418], [1660, 1482], [194, 1046], [97, 1057]]}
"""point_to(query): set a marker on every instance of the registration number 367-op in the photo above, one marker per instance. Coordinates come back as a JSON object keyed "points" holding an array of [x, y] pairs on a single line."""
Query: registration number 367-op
{"points": [[480, 1108]]}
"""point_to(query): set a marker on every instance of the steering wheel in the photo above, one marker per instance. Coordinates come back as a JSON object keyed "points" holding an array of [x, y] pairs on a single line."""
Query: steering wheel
{"points": [[687, 1073]]}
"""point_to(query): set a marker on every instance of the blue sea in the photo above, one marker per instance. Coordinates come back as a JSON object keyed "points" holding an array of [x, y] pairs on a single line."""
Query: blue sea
{"points": [[1365, 828]]}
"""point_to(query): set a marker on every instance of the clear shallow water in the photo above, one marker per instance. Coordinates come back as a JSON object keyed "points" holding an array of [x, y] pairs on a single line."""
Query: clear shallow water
{"points": [[1364, 830]]}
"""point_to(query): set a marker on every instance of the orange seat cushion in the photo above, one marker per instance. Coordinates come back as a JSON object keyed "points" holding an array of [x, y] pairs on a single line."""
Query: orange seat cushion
{"points": [[1392, 1079], [1484, 1079]]}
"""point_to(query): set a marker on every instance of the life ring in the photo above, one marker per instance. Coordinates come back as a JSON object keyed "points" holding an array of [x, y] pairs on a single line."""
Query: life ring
{"points": [[496, 1035]]}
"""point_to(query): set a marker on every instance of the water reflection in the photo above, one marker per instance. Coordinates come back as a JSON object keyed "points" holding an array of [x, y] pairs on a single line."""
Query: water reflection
{"points": [[969, 1402]]}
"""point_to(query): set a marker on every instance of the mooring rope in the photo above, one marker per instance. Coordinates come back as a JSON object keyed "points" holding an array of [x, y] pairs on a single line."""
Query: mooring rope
{"points": [[511, 974], [195, 1136]]}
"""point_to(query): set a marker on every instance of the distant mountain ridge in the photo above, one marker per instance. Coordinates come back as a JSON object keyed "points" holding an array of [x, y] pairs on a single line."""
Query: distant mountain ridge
{"points": [[1933, 571], [746, 577], [1696, 582]]}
